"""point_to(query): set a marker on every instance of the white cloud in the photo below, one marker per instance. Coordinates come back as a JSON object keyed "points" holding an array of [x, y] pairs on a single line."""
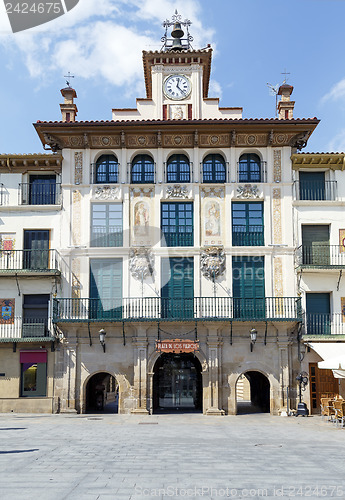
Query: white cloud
{"points": [[336, 92], [337, 144], [215, 89], [101, 41]]}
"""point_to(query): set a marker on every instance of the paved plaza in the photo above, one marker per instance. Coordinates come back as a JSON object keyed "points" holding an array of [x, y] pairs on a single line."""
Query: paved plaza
{"points": [[96, 457]]}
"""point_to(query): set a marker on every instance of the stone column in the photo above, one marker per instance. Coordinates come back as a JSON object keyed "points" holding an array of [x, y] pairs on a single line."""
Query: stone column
{"points": [[140, 371], [214, 347], [68, 375], [284, 379]]}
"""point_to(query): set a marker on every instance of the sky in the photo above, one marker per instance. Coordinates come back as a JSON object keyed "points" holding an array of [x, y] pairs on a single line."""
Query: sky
{"points": [[100, 42]]}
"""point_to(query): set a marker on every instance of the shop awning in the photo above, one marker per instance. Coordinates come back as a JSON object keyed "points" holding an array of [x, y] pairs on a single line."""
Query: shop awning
{"points": [[333, 355]]}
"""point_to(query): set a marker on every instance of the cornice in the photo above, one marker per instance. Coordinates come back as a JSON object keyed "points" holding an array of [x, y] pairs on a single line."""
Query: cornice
{"points": [[334, 161], [22, 162]]}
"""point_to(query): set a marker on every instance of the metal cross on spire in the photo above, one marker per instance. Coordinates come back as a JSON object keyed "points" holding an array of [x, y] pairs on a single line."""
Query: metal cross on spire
{"points": [[69, 76], [285, 73]]}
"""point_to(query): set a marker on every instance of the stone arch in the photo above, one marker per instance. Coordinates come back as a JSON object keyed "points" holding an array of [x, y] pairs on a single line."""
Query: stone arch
{"points": [[119, 379]]}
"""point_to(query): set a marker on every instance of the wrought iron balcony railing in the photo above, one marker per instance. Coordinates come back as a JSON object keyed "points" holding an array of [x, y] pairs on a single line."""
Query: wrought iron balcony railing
{"points": [[160, 308], [40, 194], [254, 174], [316, 190], [324, 324], [29, 261], [321, 256], [17, 328], [252, 237], [106, 237], [174, 239]]}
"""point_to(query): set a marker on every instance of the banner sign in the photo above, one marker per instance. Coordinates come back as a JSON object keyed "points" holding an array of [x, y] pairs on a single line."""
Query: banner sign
{"points": [[177, 345], [7, 311]]}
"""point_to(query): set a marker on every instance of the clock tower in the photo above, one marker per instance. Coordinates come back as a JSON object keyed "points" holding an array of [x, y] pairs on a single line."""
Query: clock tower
{"points": [[177, 81]]}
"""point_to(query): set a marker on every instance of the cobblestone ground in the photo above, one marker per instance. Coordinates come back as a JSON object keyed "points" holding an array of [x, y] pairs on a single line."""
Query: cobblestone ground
{"points": [[96, 457]]}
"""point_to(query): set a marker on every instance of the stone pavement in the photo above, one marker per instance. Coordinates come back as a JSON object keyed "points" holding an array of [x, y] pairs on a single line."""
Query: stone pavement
{"points": [[110, 457]]}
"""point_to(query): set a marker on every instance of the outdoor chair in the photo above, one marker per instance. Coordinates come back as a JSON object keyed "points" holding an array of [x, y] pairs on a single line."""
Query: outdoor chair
{"points": [[339, 407], [327, 409]]}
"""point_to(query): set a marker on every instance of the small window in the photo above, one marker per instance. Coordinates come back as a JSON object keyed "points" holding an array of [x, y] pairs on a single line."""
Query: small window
{"points": [[106, 225], [107, 170], [178, 169], [143, 170], [33, 373], [249, 168], [213, 169]]}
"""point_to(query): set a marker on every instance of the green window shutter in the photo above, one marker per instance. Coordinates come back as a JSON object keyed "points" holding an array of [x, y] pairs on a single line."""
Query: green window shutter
{"points": [[106, 288], [177, 287], [318, 318], [36, 250], [312, 185], [315, 245], [248, 287]]}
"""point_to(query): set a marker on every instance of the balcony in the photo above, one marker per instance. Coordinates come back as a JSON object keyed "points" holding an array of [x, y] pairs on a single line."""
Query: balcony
{"points": [[25, 328], [106, 237], [40, 194], [29, 262], [176, 309], [175, 239], [247, 237], [324, 324], [315, 191], [321, 257]]}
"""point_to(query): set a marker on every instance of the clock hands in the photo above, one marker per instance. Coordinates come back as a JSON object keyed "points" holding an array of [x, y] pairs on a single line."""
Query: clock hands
{"points": [[178, 86]]}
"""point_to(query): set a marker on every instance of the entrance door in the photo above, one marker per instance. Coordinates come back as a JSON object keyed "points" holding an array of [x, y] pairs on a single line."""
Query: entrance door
{"points": [[322, 385], [177, 383], [36, 250], [178, 288]]}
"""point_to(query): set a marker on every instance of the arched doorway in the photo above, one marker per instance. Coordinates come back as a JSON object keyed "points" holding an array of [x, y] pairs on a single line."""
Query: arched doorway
{"points": [[101, 393], [252, 393], [177, 384]]}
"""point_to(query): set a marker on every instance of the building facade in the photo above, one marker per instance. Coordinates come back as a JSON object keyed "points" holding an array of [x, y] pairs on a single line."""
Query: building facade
{"points": [[171, 234]]}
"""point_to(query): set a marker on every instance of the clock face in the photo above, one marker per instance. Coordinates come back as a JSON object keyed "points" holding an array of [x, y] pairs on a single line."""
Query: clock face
{"points": [[177, 87]]}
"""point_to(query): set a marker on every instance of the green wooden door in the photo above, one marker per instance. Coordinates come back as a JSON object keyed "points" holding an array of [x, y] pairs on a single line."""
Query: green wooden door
{"points": [[315, 245], [177, 288], [318, 318], [248, 287], [106, 289]]}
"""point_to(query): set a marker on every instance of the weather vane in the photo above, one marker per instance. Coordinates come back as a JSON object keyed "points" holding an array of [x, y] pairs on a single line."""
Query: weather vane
{"points": [[285, 73], [69, 76]]}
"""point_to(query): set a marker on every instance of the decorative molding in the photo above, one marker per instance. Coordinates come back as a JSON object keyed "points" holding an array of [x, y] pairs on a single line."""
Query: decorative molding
{"points": [[212, 262], [277, 216], [141, 263], [177, 191], [178, 140], [251, 139], [248, 191], [55, 143], [215, 192], [76, 284], [215, 140], [142, 192], [277, 165], [278, 277], [76, 141], [107, 193], [141, 141], [76, 210], [78, 168]]}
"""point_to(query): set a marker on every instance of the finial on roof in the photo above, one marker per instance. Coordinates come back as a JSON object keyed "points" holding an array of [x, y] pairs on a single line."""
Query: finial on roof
{"points": [[69, 76]]}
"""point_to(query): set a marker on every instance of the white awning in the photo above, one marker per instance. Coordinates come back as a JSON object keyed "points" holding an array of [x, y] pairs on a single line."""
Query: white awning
{"points": [[333, 354], [338, 373]]}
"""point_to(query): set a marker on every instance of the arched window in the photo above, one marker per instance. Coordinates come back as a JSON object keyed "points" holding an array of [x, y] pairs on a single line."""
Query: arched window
{"points": [[178, 169], [249, 168], [143, 170], [107, 169], [213, 169]]}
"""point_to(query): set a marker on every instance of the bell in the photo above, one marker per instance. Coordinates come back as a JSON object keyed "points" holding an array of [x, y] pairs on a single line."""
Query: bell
{"points": [[177, 45], [177, 31]]}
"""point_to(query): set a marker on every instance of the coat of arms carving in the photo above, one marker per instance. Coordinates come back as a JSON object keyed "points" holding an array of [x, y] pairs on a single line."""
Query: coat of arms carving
{"points": [[212, 262]]}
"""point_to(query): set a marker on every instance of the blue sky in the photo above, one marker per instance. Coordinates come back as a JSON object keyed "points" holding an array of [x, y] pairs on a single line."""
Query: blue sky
{"points": [[100, 42]]}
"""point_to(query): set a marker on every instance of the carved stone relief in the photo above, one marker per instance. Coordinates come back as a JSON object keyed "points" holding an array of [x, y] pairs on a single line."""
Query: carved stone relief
{"points": [[141, 263], [142, 191], [105, 141], [212, 262], [215, 140], [178, 140], [248, 191], [76, 286], [177, 191], [209, 192], [277, 165], [278, 277], [277, 216], [76, 210], [78, 168], [107, 193], [251, 139]]}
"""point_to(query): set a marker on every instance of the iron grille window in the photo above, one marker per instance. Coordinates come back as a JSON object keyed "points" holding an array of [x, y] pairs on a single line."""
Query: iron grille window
{"points": [[41, 190], [177, 224], [106, 225], [249, 168], [213, 169], [143, 170], [178, 169], [247, 224], [107, 170]]}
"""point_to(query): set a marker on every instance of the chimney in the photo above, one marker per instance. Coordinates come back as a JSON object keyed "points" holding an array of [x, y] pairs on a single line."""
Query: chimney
{"points": [[285, 106], [69, 110]]}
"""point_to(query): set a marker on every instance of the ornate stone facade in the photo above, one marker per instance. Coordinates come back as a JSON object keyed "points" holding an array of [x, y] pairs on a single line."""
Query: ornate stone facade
{"points": [[141, 263], [277, 216], [248, 191], [277, 165], [215, 192], [177, 191], [78, 168], [107, 193], [76, 210], [212, 262]]}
